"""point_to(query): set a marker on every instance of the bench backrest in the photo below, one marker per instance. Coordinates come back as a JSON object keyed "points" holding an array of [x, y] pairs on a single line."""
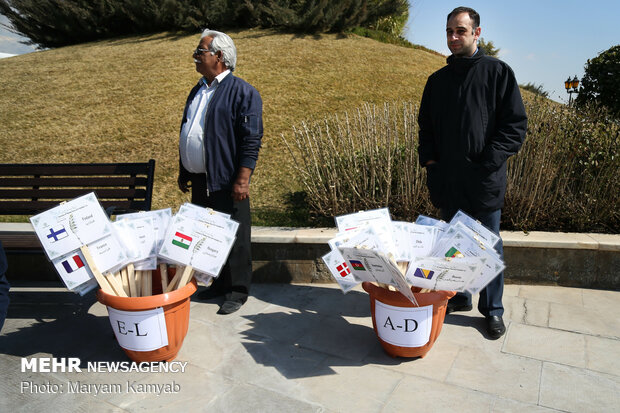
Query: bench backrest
{"points": [[27, 189]]}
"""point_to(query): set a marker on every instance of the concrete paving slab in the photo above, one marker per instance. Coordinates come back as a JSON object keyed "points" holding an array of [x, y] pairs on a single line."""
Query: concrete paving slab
{"points": [[577, 390], [603, 355], [584, 320], [419, 394], [536, 313], [546, 344], [435, 365], [351, 388], [249, 398], [602, 301], [551, 294], [512, 377], [308, 347]]}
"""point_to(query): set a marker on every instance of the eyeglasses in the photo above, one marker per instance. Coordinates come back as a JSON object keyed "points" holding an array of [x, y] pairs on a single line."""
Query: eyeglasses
{"points": [[199, 51]]}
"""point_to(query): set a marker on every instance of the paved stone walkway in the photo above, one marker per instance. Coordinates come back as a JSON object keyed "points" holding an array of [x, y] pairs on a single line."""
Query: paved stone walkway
{"points": [[308, 348]]}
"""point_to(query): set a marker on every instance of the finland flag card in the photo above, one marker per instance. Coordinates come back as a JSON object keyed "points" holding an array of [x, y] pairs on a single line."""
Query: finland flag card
{"points": [[70, 225]]}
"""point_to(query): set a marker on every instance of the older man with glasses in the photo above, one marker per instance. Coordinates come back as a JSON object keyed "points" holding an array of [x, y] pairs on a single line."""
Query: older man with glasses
{"points": [[221, 134]]}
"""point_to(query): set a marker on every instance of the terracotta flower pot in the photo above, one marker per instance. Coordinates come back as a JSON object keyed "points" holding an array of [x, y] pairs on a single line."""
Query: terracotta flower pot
{"points": [[176, 312], [437, 299]]}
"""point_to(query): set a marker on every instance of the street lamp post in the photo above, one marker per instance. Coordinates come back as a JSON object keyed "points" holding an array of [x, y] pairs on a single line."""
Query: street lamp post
{"points": [[571, 86]]}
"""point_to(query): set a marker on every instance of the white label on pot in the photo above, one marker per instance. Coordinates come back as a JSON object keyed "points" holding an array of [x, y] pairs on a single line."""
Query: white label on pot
{"points": [[403, 326], [139, 330]]}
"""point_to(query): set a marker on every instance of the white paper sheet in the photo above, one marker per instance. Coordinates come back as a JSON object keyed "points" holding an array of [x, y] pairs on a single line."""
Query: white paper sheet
{"points": [[339, 269], [373, 266], [485, 235], [108, 254], [73, 270], [357, 219], [437, 273], [403, 326], [202, 246], [70, 225], [139, 330]]}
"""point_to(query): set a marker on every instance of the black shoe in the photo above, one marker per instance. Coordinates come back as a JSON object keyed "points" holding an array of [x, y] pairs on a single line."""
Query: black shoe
{"points": [[229, 307], [210, 294], [454, 307], [495, 326]]}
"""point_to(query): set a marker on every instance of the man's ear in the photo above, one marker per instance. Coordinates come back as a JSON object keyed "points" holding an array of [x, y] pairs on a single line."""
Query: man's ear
{"points": [[477, 32]]}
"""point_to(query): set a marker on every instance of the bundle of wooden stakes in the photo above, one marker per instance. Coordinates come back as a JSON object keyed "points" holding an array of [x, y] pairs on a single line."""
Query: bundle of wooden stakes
{"points": [[129, 282]]}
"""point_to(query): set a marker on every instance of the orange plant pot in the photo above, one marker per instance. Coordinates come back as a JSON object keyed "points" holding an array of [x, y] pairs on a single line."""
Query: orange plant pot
{"points": [[439, 301], [176, 313]]}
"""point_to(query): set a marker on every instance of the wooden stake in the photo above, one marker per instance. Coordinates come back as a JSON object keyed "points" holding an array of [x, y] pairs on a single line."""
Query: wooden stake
{"points": [[163, 271], [133, 289], [103, 283], [188, 273], [147, 285], [175, 279], [116, 285], [125, 281], [139, 283]]}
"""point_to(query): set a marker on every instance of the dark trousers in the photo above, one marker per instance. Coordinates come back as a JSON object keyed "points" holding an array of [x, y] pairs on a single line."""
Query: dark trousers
{"points": [[490, 302], [236, 276]]}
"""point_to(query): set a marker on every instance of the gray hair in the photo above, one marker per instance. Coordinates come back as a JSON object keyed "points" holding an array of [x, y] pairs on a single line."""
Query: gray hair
{"points": [[222, 42]]}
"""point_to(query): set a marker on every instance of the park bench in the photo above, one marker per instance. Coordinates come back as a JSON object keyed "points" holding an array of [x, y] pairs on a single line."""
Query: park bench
{"points": [[28, 189]]}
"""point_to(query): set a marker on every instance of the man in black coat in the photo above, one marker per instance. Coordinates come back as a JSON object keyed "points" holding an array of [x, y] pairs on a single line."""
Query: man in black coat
{"points": [[472, 119]]}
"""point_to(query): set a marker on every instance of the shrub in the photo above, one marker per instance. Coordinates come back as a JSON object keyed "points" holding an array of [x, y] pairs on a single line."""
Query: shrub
{"points": [[565, 178], [55, 23]]}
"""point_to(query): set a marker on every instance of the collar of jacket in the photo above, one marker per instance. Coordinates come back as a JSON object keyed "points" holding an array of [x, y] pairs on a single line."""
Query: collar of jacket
{"points": [[462, 64]]}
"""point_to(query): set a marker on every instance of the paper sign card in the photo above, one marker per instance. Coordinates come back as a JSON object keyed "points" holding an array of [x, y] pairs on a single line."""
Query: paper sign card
{"points": [[202, 246], [424, 220], [484, 234], [108, 254], [139, 330], [352, 221], [139, 237], [68, 226], [403, 326], [440, 274], [199, 213], [490, 267], [365, 237], [160, 219], [373, 266], [412, 240], [203, 278], [73, 270], [340, 270]]}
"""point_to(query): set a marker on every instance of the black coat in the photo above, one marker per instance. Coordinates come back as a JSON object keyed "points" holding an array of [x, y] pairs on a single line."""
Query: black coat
{"points": [[471, 119]]}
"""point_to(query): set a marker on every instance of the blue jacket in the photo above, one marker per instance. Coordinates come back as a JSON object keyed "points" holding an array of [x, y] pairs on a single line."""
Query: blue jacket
{"points": [[233, 131]]}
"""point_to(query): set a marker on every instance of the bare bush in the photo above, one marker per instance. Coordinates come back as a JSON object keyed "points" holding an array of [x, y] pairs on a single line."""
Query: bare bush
{"points": [[564, 178]]}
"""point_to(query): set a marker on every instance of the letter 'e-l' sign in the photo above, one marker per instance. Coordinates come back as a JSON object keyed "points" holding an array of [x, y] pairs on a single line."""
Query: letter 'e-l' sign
{"points": [[139, 330], [403, 326]]}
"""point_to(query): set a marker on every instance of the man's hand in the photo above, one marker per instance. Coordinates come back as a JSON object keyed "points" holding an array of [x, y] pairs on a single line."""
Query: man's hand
{"points": [[241, 187], [184, 185]]}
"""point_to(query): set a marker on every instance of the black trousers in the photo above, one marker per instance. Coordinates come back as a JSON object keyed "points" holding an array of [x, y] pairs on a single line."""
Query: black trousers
{"points": [[236, 276]]}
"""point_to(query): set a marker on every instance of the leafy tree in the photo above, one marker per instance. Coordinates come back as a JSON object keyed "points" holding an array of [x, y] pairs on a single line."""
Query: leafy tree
{"points": [[488, 47], [537, 89], [54, 23], [601, 81]]}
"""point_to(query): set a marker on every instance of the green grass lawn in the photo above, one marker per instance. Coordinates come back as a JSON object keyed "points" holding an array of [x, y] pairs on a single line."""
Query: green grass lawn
{"points": [[122, 100]]}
